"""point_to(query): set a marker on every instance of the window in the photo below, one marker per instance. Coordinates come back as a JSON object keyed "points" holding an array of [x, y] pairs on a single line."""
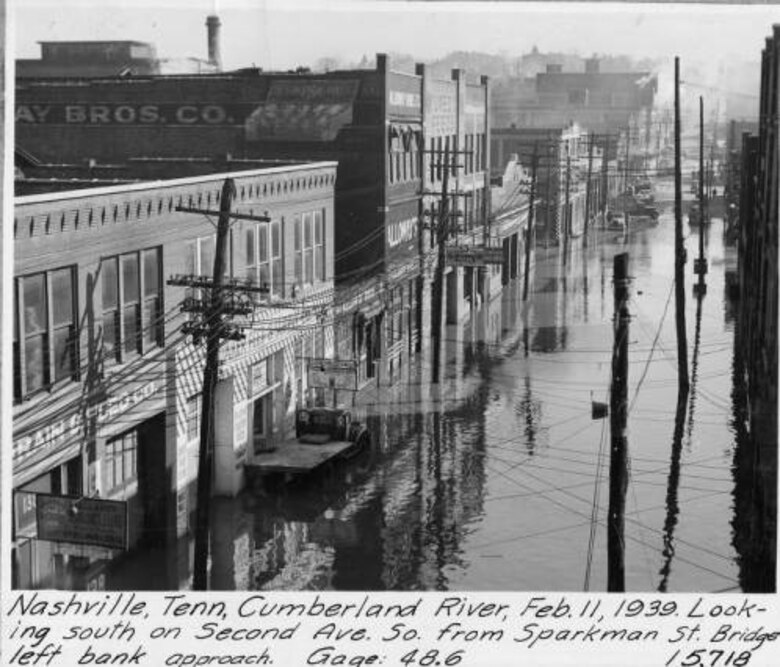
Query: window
{"points": [[193, 417], [131, 291], [276, 258], [298, 240], [45, 338], [121, 461], [319, 244], [258, 261], [308, 248]]}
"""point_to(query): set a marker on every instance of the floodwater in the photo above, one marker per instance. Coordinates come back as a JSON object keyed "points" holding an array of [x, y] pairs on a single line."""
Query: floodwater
{"points": [[498, 478]]}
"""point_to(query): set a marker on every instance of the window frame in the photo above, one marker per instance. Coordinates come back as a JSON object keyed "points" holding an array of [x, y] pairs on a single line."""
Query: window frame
{"points": [[47, 333], [142, 304]]}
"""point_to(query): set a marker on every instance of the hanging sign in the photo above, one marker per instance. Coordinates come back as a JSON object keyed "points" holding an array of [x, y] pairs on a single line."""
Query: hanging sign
{"points": [[93, 521], [333, 373]]}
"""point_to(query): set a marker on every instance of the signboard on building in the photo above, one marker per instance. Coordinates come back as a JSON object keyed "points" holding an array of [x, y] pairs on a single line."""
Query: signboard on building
{"points": [[133, 114], [474, 255], [333, 373], [93, 521], [404, 95], [402, 229]]}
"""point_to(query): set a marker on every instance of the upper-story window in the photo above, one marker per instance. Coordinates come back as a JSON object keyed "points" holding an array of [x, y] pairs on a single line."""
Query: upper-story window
{"points": [[45, 332], [263, 254], [132, 304], [309, 239]]}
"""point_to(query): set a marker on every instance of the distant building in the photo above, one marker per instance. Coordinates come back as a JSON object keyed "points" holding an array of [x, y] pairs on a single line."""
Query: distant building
{"points": [[562, 170], [600, 102], [107, 58]]}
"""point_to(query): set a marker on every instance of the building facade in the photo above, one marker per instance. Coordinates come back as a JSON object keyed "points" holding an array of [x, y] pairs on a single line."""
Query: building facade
{"points": [[370, 121], [757, 319], [106, 381]]}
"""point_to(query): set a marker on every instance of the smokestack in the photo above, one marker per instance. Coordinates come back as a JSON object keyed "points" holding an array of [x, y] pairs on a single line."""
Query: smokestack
{"points": [[212, 25]]}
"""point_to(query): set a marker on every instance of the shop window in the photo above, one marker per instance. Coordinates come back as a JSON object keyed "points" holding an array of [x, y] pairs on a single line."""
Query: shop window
{"points": [[45, 336], [132, 304], [120, 462]]}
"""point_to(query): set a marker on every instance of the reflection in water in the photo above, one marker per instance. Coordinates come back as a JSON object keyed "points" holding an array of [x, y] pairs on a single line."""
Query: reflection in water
{"points": [[673, 483], [433, 505]]}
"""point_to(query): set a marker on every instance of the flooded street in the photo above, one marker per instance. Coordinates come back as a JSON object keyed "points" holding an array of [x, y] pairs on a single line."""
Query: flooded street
{"points": [[498, 478]]}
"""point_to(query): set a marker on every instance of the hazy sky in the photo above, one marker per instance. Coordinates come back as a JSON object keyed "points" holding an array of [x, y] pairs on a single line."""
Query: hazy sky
{"points": [[272, 34]]}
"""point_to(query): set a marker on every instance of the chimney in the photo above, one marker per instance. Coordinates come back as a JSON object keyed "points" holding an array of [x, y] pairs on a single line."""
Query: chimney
{"points": [[592, 65], [212, 25]]}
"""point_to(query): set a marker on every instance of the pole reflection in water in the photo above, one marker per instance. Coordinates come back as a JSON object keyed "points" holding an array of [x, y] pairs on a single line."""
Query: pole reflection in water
{"points": [[479, 482], [673, 483]]}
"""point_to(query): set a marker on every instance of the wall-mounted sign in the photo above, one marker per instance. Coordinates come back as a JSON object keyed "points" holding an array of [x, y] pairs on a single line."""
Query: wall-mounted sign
{"points": [[133, 114], [333, 373], [57, 433], [401, 231], [93, 521], [474, 255]]}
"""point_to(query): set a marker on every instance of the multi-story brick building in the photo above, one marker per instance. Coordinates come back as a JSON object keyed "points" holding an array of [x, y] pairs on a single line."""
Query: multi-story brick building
{"points": [[370, 121], [757, 321], [106, 384]]}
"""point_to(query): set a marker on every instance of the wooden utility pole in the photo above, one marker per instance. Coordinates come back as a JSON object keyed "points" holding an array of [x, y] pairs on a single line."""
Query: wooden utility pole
{"points": [[702, 195], [213, 328], [442, 232], [679, 244], [566, 217], [587, 187], [529, 232], [605, 176], [618, 464], [210, 372]]}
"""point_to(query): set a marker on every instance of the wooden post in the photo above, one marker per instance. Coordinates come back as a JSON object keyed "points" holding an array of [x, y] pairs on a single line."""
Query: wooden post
{"points": [[618, 468], [679, 246], [210, 372], [529, 233]]}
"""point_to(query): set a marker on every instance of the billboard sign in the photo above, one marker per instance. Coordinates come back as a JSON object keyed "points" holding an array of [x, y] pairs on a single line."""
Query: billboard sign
{"points": [[333, 373], [92, 521]]}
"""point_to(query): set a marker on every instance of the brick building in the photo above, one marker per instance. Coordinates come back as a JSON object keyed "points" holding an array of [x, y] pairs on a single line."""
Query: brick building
{"points": [[106, 384], [757, 320], [370, 121]]}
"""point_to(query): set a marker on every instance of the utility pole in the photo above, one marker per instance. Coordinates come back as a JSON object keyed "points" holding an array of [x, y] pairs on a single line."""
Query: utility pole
{"points": [[529, 233], [679, 246], [442, 232], [618, 468], [214, 331], [587, 187], [700, 265], [566, 217], [605, 176], [213, 328]]}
